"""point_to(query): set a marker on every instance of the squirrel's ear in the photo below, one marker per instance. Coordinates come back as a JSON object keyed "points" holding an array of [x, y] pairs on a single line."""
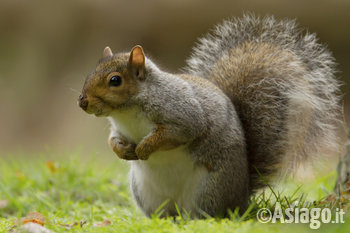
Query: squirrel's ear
{"points": [[107, 52], [137, 62]]}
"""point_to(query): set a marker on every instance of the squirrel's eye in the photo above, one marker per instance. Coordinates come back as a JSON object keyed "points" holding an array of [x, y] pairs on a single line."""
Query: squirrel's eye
{"points": [[115, 81]]}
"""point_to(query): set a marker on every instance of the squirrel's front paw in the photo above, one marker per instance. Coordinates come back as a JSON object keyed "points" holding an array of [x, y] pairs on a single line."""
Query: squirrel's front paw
{"points": [[143, 151], [123, 149]]}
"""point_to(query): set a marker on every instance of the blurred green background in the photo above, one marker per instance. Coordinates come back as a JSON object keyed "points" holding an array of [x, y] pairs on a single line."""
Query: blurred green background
{"points": [[48, 47]]}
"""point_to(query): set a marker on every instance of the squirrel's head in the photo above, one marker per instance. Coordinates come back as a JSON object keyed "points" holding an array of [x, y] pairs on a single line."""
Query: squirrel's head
{"points": [[113, 82]]}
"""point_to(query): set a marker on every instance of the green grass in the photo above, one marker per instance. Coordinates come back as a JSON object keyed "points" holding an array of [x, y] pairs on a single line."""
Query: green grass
{"points": [[93, 190]]}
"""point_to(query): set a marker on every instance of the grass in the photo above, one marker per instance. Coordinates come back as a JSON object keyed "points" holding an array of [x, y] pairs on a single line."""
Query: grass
{"points": [[89, 191]]}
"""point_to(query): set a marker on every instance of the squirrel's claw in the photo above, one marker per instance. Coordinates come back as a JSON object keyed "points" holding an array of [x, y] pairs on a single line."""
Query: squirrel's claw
{"points": [[123, 149], [143, 151]]}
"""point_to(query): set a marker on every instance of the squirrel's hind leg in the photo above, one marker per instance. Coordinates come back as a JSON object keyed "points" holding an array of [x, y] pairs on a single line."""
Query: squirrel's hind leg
{"points": [[223, 190]]}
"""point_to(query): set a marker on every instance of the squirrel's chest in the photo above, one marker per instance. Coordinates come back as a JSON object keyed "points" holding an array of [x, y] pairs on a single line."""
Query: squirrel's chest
{"points": [[168, 175], [132, 123]]}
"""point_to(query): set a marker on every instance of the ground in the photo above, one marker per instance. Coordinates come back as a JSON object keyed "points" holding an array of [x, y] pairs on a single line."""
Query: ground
{"points": [[73, 193]]}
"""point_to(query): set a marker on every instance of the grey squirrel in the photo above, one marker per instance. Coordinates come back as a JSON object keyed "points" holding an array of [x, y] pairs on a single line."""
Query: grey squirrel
{"points": [[257, 97]]}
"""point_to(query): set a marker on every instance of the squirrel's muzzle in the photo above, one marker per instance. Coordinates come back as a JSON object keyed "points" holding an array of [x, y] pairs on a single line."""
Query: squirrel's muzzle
{"points": [[83, 103]]}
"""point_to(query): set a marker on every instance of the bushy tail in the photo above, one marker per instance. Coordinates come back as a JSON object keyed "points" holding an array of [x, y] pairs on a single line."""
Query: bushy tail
{"points": [[282, 84]]}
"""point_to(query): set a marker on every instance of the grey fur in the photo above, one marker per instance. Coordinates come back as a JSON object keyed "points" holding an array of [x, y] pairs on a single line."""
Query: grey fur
{"points": [[299, 91]]}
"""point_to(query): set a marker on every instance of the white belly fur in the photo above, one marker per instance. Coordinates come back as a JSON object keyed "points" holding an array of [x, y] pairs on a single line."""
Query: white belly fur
{"points": [[166, 175]]}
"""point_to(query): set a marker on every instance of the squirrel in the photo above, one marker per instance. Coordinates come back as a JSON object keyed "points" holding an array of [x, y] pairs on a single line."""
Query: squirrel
{"points": [[257, 97]]}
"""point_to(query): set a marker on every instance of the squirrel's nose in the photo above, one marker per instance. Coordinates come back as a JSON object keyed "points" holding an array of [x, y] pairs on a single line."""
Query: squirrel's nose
{"points": [[83, 103]]}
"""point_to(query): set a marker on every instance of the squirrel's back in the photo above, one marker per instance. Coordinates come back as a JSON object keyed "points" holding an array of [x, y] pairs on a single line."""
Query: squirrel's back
{"points": [[283, 87]]}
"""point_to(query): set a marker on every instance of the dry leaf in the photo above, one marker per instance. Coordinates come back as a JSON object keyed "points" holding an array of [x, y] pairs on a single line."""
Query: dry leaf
{"points": [[348, 185], [3, 204], [345, 193], [105, 222], [34, 217], [51, 166], [69, 226], [330, 198], [19, 175], [342, 199]]}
